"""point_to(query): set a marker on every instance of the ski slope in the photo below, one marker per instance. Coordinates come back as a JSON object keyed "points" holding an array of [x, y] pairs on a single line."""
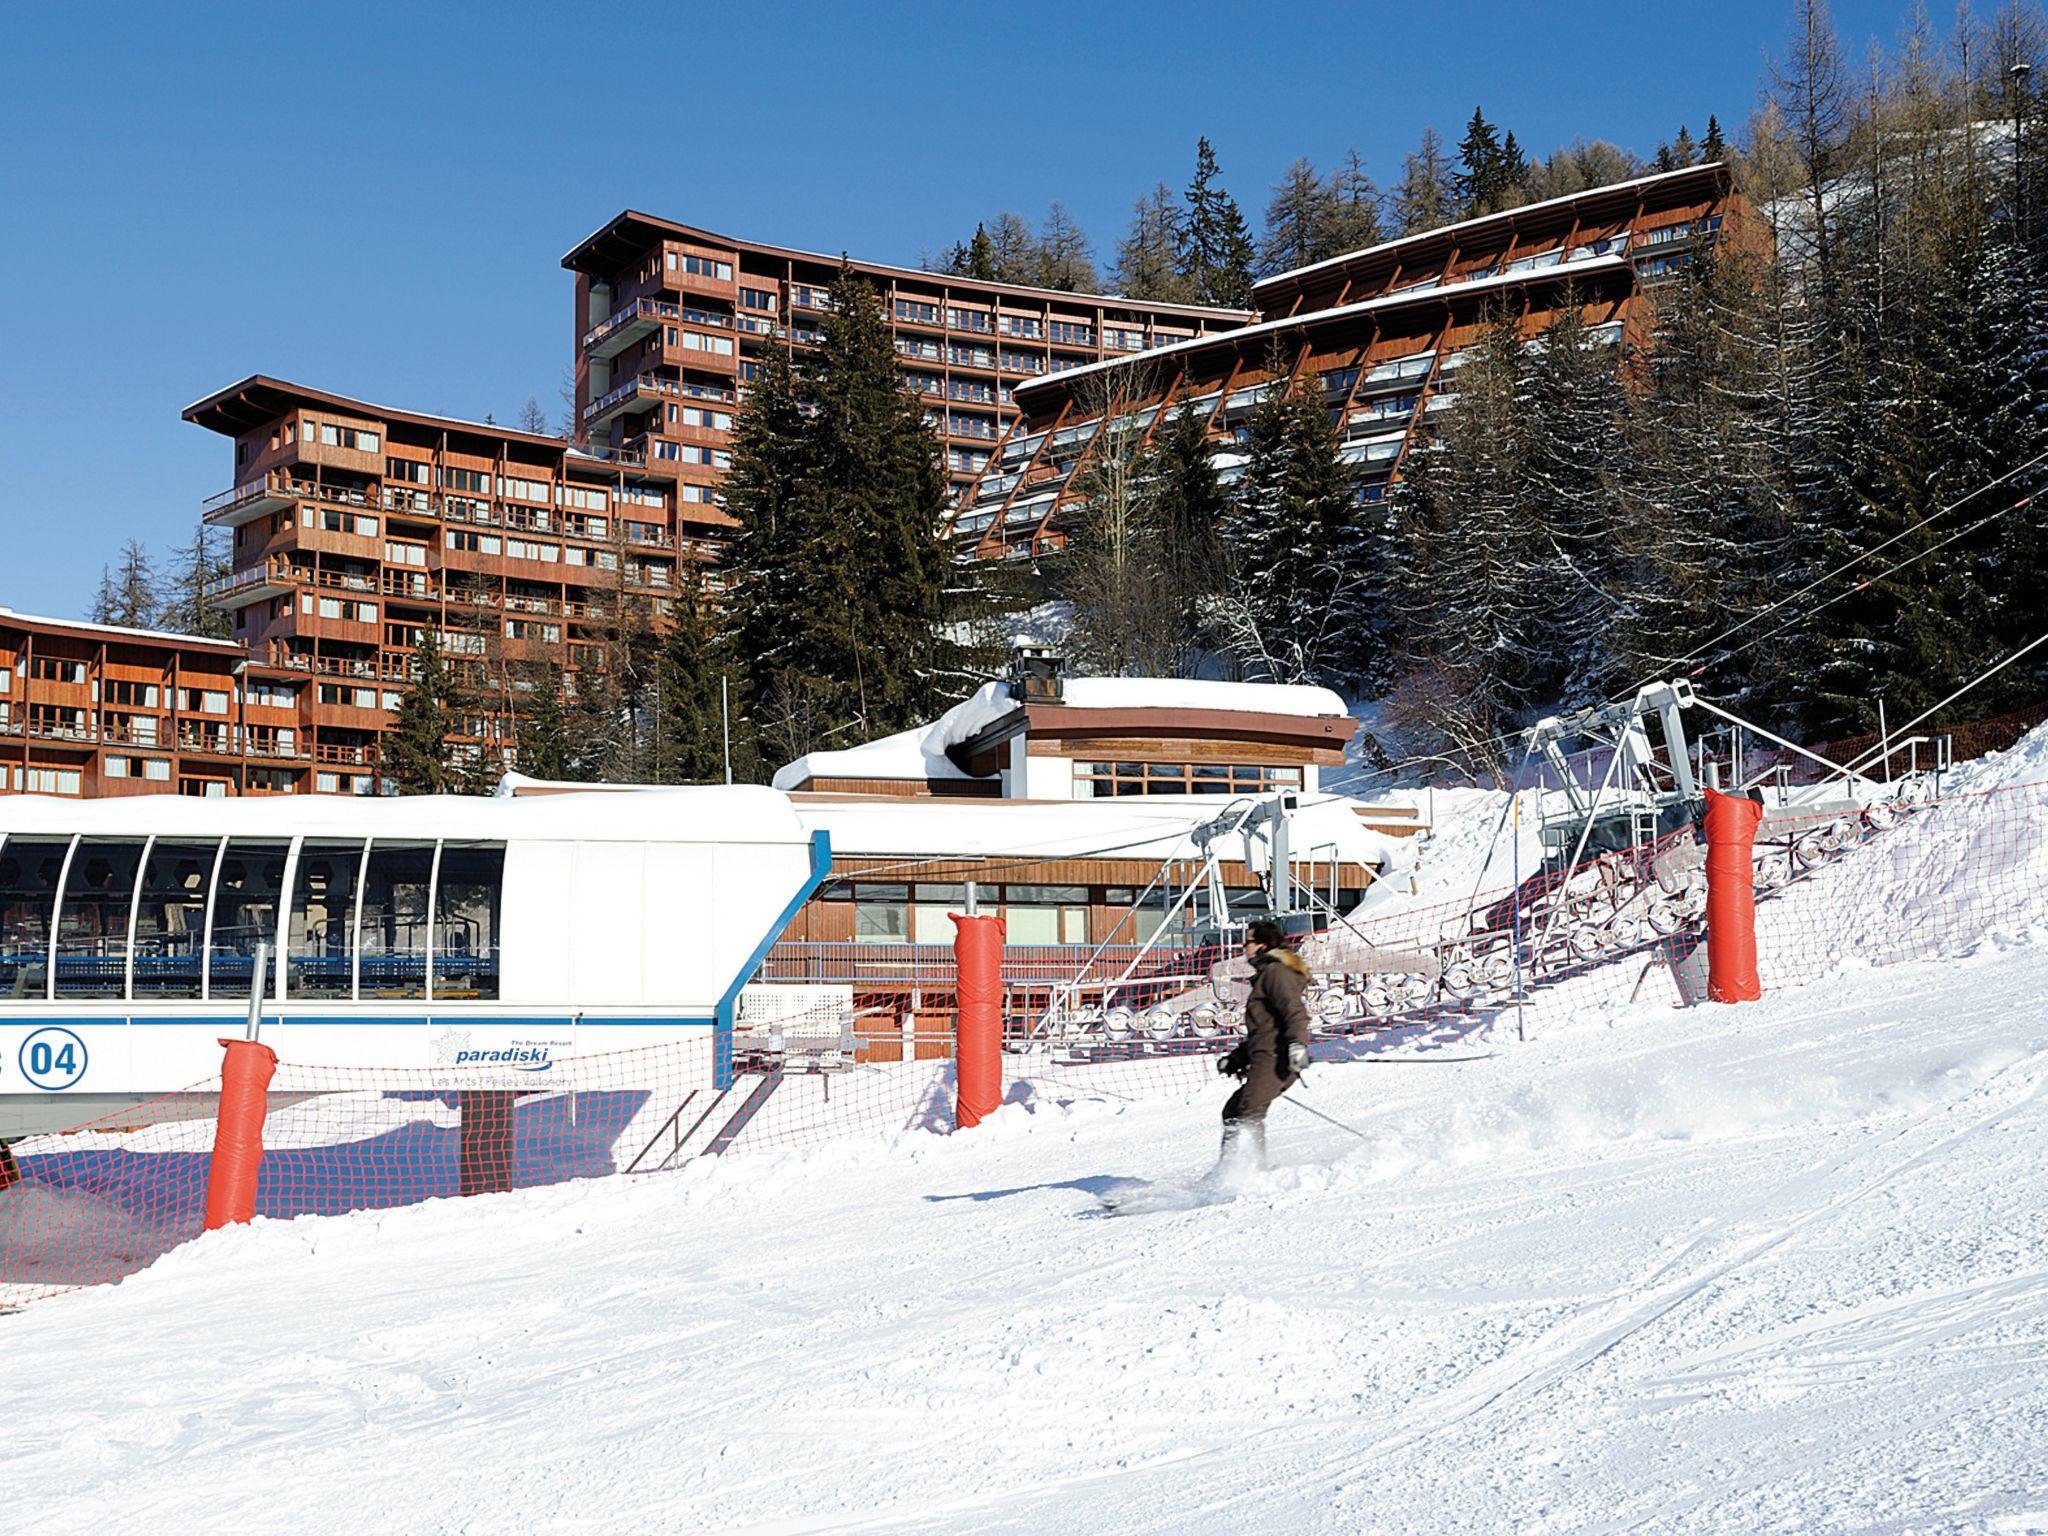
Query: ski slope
{"points": [[1774, 1268]]}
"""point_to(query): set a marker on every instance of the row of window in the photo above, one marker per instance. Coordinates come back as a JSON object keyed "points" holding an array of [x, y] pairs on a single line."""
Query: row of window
{"points": [[339, 437], [700, 266], [1093, 780], [181, 917]]}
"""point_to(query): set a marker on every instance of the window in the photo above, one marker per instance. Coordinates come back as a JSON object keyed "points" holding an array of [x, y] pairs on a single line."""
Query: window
{"points": [[395, 893], [969, 320], [468, 893], [245, 909], [1045, 914], [523, 490], [917, 314], [474, 481], [757, 298], [1092, 780], [29, 870], [405, 469], [321, 939], [129, 695], [1073, 334], [55, 669], [703, 266], [170, 918], [881, 914], [931, 918], [92, 919], [344, 437]]}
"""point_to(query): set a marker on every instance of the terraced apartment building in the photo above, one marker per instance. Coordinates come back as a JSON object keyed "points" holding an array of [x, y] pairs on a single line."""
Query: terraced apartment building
{"points": [[94, 709], [1381, 333], [670, 321]]}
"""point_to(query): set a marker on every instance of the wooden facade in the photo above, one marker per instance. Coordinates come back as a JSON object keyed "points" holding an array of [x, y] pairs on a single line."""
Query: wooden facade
{"points": [[1380, 333], [91, 709]]}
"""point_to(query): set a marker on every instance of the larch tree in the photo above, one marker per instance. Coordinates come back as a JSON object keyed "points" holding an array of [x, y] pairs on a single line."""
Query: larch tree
{"points": [[1426, 197], [1148, 257]]}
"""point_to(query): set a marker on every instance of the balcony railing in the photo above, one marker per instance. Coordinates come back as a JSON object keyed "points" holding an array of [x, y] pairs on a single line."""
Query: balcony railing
{"points": [[627, 395]]}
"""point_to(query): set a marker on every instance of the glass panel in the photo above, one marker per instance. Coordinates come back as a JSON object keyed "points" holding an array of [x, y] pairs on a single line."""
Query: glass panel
{"points": [[1031, 925], [1045, 893], [92, 920], [1073, 925], [323, 920], [170, 920], [245, 906], [394, 898], [29, 867], [880, 922], [471, 890], [931, 922]]}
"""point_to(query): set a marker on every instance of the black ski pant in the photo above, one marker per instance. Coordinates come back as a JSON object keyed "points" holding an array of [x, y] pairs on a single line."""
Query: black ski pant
{"points": [[1255, 1095]]}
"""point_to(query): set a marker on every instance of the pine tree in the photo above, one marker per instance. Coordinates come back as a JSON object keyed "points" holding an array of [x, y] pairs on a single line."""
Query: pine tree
{"points": [[416, 756], [181, 598], [1427, 196], [1065, 257], [1713, 147], [1493, 171], [1302, 594], [542, 745], [843, 588], [1217, 253], [1191, 512], [1469, 569], [1012, 249], [1148, 257], [691, 671], [1351, 221], [1577, 465], [128, 593], [1295, 218]]}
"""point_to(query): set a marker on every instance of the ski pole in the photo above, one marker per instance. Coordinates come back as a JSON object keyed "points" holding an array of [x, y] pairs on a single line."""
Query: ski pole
{"points": [[1327, 1119]]}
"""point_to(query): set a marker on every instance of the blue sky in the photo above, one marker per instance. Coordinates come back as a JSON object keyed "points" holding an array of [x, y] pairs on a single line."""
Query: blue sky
{"points": [[375, 199]]}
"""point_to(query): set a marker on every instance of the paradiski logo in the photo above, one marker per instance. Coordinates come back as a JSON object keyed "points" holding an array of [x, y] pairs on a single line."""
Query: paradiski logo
{"points": [[523, 1058]]}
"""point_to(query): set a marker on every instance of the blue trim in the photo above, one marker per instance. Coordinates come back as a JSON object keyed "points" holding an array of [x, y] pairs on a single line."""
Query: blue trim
{"points": [[721, 1046], [237, 1020]]}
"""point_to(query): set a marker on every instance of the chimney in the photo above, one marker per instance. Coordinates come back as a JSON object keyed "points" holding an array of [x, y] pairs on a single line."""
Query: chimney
{"points": [[1038, 674]]}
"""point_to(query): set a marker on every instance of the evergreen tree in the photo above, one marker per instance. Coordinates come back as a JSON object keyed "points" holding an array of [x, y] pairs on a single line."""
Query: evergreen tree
{"points": [[1217, 253], [1148, 257], [1577, 465], [1713, 147], [417, 759], [1302, 598], [1493, 171], [690, 674], [975, 259], [543, 749], [1191, 512], [843, 589], [1470, 568], [1295, 219], [1427, 196]]}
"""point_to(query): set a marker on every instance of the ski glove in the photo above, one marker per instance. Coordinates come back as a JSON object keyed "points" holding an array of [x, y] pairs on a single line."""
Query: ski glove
{"points": [[1297, 1058], [1236, 1064]]}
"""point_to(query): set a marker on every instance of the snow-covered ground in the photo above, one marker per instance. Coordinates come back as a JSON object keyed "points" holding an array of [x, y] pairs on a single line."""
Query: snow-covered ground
{"points": [[1774, 1268]]}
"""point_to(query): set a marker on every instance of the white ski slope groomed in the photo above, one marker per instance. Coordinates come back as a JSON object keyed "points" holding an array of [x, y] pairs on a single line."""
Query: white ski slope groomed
{"points": [[1781, 1267]]}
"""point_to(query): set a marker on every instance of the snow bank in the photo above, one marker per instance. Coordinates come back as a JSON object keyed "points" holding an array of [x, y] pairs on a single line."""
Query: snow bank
{"points": [[1779, 1267]]}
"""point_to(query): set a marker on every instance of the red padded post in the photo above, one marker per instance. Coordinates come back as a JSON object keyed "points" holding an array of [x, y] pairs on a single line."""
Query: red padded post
{"points": [[978, 1043], [238, 1132], [1731, 898]]}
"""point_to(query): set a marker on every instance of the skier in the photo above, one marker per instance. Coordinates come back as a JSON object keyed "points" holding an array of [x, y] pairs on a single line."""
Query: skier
{"points": [[1270, 1058]]}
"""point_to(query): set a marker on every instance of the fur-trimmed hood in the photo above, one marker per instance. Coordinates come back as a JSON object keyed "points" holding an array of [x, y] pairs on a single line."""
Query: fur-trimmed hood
{"points": [[1286, 957]]}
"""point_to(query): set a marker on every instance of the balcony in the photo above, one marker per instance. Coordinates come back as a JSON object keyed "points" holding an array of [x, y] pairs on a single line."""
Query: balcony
{"points": [[254, 584], [347, 754], [621, 329], [642, 392], [249, 501]]}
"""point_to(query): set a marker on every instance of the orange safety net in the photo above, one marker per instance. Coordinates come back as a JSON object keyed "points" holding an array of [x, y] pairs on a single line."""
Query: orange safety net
{"points": [[857, 1041]]}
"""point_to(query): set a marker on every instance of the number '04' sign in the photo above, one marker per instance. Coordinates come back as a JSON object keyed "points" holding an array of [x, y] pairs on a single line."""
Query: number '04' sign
{"points": [[52, 1058]]}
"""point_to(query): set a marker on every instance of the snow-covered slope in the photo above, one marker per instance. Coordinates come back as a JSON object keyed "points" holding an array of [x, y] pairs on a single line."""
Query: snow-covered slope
{"points": [[1775, 1268]]}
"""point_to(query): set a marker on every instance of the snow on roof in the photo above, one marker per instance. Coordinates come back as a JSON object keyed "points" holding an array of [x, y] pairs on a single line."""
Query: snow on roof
{"points": [[1587, 266], [920, 752], [1296, 273], [173, 635], [714, 813]]}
